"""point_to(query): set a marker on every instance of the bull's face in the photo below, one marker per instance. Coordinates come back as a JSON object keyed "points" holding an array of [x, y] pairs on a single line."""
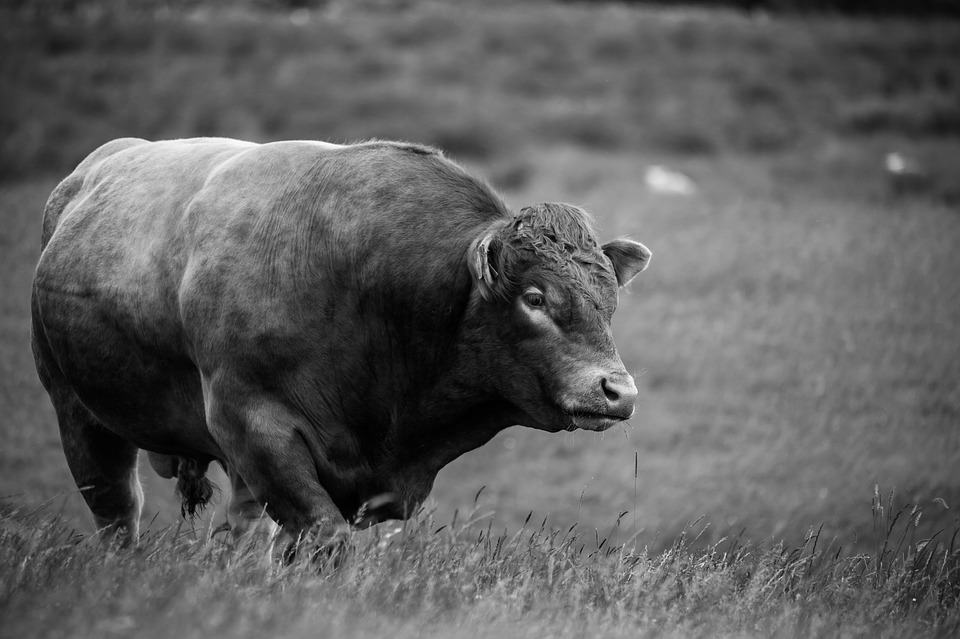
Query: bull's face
{"points": [[549, 292]]}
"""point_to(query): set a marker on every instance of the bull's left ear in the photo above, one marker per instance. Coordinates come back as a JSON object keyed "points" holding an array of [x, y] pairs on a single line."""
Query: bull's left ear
{"points": [[481, 259], [628, 257]]}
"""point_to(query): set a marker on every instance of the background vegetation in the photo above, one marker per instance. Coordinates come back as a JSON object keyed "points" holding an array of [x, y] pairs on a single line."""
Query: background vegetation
{"points": [[795, 339]]}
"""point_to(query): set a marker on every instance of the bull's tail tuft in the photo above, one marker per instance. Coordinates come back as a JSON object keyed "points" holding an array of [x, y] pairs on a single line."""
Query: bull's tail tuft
{"points": [[193, 487]]}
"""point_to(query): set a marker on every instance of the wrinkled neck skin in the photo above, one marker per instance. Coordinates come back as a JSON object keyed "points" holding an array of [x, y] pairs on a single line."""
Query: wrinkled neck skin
{"points": [[460, 412]]}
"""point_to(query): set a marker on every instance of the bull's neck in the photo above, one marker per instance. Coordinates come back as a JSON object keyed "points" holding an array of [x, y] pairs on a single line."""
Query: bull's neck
{"points": [[461, 410], [448, 424]]}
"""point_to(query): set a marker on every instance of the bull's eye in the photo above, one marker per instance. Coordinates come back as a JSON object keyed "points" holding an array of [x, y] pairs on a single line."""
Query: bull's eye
{"points": [[533, 298]]}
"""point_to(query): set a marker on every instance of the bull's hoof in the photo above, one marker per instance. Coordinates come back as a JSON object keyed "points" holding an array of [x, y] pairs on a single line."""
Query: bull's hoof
{"points": [[376, 509], [327, 549], [249, 537]]}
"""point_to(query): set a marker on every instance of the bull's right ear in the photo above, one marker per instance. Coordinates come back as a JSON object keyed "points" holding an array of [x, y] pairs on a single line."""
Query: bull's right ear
{"points": [[480, 260]]}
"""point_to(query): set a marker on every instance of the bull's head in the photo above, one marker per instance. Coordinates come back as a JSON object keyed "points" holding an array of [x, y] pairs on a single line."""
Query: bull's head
{"points": [[548, 292]]}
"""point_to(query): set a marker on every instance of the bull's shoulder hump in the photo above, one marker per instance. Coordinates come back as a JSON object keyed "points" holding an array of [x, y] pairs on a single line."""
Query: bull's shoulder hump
{"points": [[290, 162], [309, 152], [386, 146], [307, 146]]}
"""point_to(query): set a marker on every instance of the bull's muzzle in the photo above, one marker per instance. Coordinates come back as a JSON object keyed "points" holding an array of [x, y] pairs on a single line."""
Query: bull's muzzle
{"points": [[620, 393]]}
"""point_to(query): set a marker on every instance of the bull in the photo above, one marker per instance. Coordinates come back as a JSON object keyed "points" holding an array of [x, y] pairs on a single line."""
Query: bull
{"points": [[331, 323]]}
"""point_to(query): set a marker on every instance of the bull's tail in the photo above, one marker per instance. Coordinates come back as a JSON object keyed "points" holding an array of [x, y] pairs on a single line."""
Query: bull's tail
{"points": [[193, 487]]}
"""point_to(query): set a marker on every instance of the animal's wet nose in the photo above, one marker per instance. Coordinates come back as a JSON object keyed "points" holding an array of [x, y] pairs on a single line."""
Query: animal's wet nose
{"points": [[621, 395]]}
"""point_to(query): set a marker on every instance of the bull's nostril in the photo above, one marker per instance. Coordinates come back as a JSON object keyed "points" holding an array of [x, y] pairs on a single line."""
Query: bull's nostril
{"points": [[612, 394], [621, 395]]}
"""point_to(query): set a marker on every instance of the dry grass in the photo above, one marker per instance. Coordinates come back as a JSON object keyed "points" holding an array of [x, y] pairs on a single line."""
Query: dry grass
{"points": [[463, 580]]}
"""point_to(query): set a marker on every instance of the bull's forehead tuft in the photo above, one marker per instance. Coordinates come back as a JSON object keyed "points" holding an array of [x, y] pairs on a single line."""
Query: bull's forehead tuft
{"points": [[552, 226], [562, 237]]}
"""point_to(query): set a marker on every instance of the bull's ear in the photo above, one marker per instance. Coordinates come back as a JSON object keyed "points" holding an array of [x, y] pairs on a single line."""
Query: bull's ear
{"points": [[481, 260], [628, 257]]}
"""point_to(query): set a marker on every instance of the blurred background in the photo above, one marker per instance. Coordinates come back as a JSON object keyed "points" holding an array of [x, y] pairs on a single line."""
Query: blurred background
{"points": [[793, 164]]}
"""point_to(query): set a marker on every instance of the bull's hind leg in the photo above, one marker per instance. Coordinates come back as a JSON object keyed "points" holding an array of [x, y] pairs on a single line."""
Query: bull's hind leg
{"points": [[104, 465]]}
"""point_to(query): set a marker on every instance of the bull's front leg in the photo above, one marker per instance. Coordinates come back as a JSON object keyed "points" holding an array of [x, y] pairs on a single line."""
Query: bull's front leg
{"points": [[263, 442], [247, 519]]}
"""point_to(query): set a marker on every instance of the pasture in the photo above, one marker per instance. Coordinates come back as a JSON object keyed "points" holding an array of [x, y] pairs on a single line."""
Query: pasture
{"points": [[795, 339]]}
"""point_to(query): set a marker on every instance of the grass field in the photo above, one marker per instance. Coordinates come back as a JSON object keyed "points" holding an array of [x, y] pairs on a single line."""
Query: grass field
{"points": [[795, 339], [459, 580]]}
